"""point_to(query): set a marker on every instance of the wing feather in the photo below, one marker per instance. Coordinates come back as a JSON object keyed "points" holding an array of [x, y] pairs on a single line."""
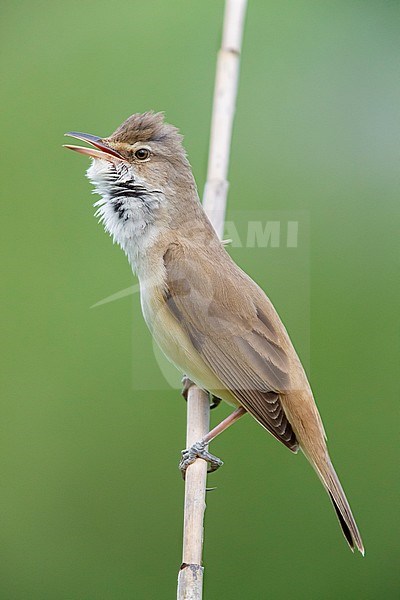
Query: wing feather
{"points": [[234, 337]]}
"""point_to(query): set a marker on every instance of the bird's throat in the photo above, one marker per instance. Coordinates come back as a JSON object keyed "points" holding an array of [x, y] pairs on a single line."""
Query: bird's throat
{"points": [[127, 208]]}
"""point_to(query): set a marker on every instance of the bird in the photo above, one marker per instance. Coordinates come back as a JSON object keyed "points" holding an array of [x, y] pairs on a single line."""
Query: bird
{"points": [[211, 320]]}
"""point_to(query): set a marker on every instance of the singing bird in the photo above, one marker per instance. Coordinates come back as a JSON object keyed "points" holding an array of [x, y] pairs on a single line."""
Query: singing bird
{"points": [[211, 320]]}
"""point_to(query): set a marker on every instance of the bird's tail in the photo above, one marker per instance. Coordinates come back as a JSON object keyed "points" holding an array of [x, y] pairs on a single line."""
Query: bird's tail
{"points": [[327, 474]]}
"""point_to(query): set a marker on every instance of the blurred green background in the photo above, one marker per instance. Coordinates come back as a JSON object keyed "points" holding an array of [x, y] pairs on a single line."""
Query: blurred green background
{"points": [[91, 498]]}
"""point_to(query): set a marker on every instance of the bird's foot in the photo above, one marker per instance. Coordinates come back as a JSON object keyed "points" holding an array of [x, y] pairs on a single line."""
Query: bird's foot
{"points": [[198, 450], [186, 385], [214, 401]]}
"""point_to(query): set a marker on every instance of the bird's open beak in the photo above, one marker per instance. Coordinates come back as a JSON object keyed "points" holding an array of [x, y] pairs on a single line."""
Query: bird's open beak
{"points": [[100, 149]]}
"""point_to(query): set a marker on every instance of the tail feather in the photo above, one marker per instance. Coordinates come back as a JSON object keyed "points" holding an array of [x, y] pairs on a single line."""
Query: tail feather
{"points": [[329, 478], [304, 418], [346, 531]]}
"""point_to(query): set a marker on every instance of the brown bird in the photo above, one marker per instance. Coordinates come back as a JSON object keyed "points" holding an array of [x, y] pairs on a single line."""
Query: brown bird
{"points": [[212, 321]]}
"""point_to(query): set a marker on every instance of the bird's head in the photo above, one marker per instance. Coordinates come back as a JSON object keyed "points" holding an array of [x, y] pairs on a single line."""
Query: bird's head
{"points": [[142, 175]]}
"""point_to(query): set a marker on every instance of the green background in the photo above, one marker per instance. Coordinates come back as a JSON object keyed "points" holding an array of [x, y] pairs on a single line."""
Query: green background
{"points": [[91, 498]]}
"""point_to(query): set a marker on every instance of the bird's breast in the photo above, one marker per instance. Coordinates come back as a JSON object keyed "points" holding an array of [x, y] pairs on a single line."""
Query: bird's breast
{"points": [[174, 341]]}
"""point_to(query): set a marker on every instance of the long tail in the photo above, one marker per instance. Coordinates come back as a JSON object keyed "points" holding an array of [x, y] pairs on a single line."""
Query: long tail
{"points": [[327, 474]]}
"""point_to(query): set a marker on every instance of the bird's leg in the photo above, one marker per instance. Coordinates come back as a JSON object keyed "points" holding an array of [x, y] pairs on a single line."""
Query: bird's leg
{"points": [[199, 449], [187, 384]]}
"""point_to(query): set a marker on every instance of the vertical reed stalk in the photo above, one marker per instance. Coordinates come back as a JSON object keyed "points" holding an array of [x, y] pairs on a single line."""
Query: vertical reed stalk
{"points": [[190, 578]]}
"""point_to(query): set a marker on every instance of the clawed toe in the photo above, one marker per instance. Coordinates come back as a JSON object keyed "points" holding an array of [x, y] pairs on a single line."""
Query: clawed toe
{"points": [[187, 384], [198, 450], [214, 401]]}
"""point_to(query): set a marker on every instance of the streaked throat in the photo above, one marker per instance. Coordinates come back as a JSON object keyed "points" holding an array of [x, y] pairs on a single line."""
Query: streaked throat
{"points": [[128, 208]]}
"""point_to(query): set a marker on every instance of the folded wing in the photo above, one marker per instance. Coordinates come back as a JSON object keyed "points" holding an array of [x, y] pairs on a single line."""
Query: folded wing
{"points": [[235, 337]]}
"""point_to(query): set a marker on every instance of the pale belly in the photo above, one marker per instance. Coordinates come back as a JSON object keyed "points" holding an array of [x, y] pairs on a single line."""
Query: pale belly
{"points": [[178, 348]]}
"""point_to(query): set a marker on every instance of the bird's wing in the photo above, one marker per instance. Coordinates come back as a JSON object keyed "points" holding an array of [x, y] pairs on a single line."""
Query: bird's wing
{"points": [[233, 332]]}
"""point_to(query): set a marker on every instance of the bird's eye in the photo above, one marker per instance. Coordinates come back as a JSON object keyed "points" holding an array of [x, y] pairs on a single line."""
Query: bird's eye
{"points": [[142, 154]]}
